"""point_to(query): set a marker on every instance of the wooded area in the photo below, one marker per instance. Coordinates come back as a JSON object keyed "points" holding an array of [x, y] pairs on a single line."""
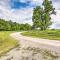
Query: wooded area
{"points": [[13, 26]]}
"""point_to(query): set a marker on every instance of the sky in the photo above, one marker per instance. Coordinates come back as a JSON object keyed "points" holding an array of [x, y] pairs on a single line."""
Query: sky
{"points": [[21, 11]]}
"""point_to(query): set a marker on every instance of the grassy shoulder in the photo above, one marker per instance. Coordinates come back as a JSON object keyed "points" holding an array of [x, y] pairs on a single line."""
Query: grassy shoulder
{"points": [[6, 42], [47, 34]]}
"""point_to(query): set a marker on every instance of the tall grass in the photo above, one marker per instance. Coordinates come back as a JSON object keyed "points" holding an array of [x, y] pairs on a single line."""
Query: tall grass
{"points": [[47, 34], [6, 42]]}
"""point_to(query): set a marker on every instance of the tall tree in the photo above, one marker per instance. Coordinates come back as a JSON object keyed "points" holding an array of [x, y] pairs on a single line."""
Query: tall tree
{"points": [[41, 16], [48, 10], [37, 16]]}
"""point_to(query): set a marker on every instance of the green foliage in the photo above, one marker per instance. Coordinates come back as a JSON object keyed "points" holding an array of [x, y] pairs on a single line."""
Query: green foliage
{"points": [[41, 15], [37, 16], [47, 34], [13, 26]]}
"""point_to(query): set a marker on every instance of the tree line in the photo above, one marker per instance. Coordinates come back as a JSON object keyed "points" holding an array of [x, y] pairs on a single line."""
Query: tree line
{"points": [[13, 26]]}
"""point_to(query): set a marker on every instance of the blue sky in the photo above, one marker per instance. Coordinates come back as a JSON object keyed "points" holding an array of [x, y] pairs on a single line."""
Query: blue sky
{"points": [[21, 11], [18, 4]]}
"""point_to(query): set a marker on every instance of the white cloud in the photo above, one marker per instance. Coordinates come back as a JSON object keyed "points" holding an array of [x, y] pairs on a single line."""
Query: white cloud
{"points": [[56, 19], [19, 16]]}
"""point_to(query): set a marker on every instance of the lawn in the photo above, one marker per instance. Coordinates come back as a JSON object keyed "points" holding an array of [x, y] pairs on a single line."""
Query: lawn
{"points": [[6, 42], [47, 34]]}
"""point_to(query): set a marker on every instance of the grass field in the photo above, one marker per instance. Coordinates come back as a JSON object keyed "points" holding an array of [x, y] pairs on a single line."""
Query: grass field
{"points": [[47, 34], [6, 42]]}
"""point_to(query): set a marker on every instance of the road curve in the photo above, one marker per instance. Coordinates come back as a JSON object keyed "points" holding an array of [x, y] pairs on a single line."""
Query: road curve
{"points": [[24, 42], [18, 36], [42, 43]]}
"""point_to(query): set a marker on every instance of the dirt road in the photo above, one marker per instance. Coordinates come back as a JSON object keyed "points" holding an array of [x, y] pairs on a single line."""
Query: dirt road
{"points": [[33, 49]]}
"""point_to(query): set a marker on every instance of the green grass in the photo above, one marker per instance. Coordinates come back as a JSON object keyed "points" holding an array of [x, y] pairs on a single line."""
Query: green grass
{"points": [[47, 34], [6, 42]]}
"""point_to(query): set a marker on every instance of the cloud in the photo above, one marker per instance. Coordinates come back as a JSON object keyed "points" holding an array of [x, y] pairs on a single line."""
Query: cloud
{"points": [[19, 15], [56, 19], [56, 3]]}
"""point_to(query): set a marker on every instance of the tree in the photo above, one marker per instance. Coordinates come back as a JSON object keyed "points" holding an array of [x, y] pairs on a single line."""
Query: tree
{"points": [[37, 16], [48, 10], [41, 15], [25, 26]]}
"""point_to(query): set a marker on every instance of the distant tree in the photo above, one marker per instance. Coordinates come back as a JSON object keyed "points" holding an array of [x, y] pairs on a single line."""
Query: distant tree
{"points": [[13, 26], [27, 26], [41, 15]]}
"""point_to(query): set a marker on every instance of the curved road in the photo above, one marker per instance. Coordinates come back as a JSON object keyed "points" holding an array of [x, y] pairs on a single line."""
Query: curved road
{"points": [[25, 42], [20, 37]]}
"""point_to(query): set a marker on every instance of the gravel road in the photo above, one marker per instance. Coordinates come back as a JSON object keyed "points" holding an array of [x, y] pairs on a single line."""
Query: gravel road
{"points": [[33, 49]]}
